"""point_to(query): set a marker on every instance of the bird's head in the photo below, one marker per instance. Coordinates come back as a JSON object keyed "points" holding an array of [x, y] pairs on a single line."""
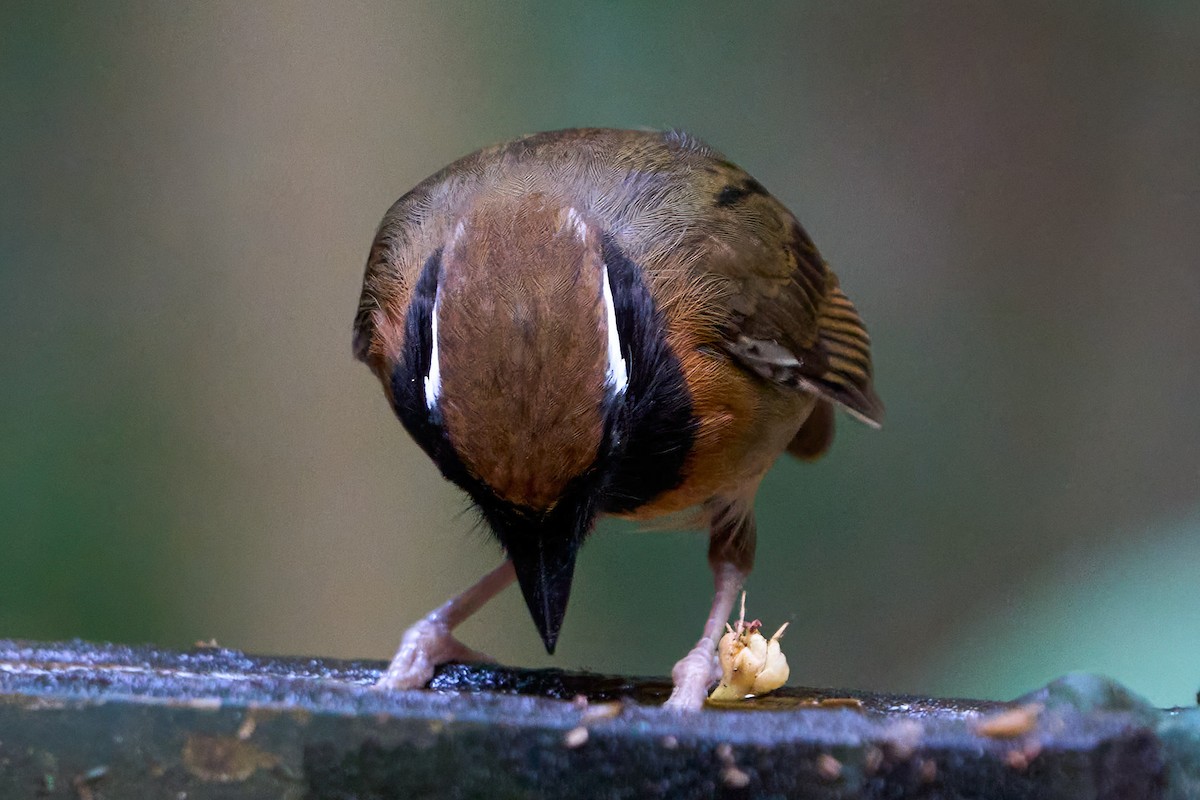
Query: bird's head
{"points": [[510, 365]]}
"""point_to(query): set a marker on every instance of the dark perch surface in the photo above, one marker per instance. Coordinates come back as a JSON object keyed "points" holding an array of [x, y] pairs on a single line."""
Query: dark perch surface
{"points": [[92, 721]]}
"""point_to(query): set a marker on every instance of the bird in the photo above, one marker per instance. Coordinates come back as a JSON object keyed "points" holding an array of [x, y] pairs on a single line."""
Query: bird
{"points": [[599, 322]]}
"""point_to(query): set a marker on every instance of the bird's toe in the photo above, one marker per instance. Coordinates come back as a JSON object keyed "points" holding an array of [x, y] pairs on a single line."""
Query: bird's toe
{"points": [[425, 646], [693, 675]]}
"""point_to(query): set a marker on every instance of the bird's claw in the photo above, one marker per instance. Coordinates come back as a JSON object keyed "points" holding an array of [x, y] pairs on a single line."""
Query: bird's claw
{"points": [[424, 647], [693, 675]]}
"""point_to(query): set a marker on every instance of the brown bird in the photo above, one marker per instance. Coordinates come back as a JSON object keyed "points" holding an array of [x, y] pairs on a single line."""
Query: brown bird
{"points": [[590, 322]]}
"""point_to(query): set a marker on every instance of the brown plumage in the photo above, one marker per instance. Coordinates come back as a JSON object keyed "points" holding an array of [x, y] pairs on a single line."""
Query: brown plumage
{"points": [[522, 309], [600, 321]]}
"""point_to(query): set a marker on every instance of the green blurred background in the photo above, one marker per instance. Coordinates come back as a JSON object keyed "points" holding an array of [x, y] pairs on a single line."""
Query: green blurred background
{"points": [[1010, 193]]}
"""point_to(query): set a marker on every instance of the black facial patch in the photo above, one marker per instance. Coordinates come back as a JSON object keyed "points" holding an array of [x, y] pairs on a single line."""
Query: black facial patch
{"points": [[735, 193], [650, 429], [408, 378]]}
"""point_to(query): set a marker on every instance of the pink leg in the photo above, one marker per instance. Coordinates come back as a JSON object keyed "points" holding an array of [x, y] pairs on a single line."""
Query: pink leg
{"points": [[731, 556], [429, 642], [700, 668]]}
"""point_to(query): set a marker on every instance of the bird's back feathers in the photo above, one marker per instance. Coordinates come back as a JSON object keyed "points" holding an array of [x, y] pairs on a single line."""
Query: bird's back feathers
{"points": [[722, 253]]}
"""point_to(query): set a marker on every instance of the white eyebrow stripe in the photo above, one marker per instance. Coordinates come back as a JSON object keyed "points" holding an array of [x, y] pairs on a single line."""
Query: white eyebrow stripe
{"points": [[578, 224], [617, 375], [433, 381]]}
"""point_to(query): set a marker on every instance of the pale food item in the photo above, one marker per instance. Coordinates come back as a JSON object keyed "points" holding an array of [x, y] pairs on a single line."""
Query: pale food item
{"points": [[751, 664]]}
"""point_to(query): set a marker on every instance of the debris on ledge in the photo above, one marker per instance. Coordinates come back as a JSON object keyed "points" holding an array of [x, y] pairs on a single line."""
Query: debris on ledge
{"points": [[87, 721]]}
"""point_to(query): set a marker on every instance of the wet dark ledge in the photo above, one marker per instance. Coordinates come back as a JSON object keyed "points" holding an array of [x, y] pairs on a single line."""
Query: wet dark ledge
{"points": [[83, 720]]}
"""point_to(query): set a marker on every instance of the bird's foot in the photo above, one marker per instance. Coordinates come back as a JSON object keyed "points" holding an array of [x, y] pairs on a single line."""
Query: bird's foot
{"points": [[425, 646], [693, 675]]}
